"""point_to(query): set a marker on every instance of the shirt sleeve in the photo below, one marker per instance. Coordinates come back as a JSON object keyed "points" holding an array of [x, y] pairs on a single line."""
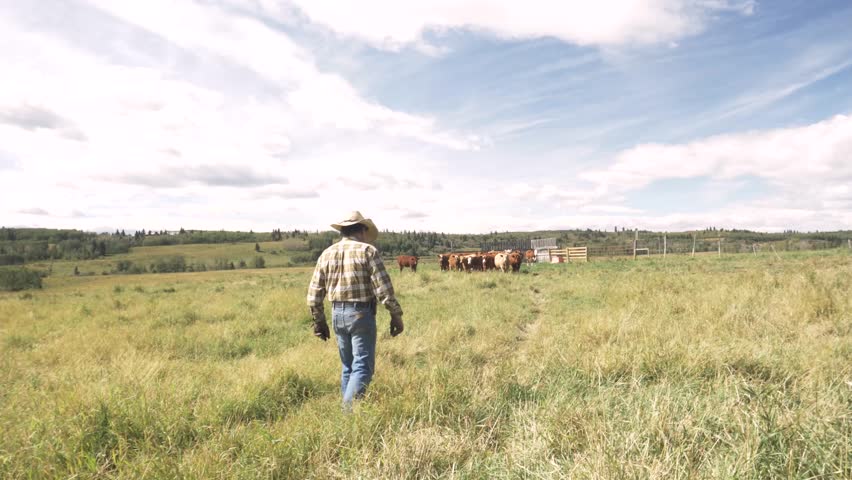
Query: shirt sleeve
{"points": [[316, 290], [382, 286]]}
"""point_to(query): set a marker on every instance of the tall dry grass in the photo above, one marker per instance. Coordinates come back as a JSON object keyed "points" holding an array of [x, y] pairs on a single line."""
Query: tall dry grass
{"points": [[676, 368]]}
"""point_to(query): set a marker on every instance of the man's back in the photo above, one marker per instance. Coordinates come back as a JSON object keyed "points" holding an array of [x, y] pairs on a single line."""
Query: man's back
{"points": [[352, 271], [347, 269]]}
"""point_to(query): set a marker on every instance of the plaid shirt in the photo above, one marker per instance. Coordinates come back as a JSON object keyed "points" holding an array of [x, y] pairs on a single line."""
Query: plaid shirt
{"points": [[350, 271]]}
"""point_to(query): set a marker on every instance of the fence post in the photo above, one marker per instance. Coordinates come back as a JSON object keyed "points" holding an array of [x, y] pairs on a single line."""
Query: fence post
{"points": [[776, 253], [665, 245], [635, 241], [720, 247], [693, 244]]}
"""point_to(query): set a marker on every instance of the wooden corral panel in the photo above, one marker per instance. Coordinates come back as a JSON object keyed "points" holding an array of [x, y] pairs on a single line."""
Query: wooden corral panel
{"points": [[578, 254], [570, 254]]}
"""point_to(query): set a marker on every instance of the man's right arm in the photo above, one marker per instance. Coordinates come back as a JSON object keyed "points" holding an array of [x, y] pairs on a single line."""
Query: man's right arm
{"points": [[316, 297], [383, 290]]}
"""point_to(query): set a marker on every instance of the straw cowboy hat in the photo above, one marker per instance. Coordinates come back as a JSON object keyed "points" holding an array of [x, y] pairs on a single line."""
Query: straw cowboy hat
{"points": [[355, 218]]}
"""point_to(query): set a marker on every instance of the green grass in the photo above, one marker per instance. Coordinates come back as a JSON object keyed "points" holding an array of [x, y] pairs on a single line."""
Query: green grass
{"points": [[736, 367]]}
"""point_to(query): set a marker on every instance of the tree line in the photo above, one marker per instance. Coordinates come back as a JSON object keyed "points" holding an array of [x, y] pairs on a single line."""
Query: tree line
{"points": [[178, 263], [18, 246]]}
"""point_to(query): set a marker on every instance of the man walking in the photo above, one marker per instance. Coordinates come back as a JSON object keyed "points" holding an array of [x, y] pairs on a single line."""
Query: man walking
{"points": [[353, 276]]}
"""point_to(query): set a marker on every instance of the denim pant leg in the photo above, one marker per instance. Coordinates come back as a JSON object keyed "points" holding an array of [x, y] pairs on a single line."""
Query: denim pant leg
{"points": [[356, 340], [363, 357], [344, 346]]}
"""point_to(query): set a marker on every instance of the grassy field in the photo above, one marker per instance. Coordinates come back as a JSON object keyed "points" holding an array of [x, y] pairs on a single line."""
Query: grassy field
{"points": [[739, 367]]}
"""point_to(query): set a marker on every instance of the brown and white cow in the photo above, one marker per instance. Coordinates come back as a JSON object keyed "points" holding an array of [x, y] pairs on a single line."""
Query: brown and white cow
{"points": [[407, 261], [472, 263], [529, 256]]}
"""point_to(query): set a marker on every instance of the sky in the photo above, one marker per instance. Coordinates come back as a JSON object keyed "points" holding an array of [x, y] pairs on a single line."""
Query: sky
{"points": [[443, 115]]}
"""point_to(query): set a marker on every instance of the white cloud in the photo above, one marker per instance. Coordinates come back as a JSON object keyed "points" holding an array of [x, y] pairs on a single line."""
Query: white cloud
{"points": [[392, 24], [329, 101], [31, 117], [807, 170], [207, 119], [812, 154], [33, 211], [313, 98], [609, 209], [214, 176], [289, 192], [182, 94], [216, 88]]}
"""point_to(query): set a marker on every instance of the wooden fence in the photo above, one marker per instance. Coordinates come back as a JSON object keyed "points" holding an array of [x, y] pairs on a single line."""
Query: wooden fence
{"points": [[654, 246], [571, 254]]}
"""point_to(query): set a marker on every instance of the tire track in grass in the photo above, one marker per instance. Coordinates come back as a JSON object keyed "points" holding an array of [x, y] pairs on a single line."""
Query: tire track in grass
{"points": [[521, 385], [529, 329]]}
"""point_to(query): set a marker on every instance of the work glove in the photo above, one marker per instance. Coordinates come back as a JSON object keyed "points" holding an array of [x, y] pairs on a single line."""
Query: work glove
{"points": [[320, 327], [396, 326], [321, 330]]}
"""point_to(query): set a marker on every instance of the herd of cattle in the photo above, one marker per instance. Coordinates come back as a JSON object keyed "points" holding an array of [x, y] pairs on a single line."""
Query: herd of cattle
{"points": [[505, 261]]}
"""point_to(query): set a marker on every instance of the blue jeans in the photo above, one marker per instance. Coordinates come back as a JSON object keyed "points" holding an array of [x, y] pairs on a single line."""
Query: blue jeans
{"points": [[355, 328]]}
